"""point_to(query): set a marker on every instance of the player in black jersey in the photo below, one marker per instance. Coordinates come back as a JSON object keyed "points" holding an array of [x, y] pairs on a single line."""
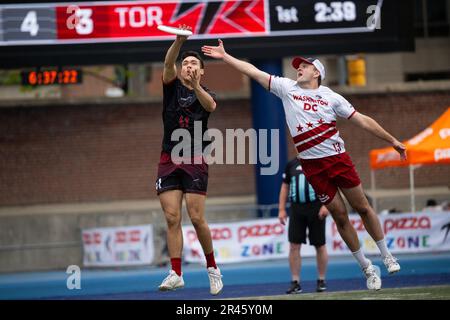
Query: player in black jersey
{"points": [[181, 173]]}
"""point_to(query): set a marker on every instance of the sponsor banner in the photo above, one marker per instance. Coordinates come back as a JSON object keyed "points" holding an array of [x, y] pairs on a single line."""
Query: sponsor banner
{"points": [[119, 246], [240, 241], [404, 233], [267, 238]]}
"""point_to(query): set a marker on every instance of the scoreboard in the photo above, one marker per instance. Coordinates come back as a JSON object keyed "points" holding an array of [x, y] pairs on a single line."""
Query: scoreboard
{"points": [[35, 34], [92, 22]]}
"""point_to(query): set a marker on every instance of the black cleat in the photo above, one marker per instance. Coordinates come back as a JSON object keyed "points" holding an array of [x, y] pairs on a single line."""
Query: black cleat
{"points": [[294, 288], [321, 286]]}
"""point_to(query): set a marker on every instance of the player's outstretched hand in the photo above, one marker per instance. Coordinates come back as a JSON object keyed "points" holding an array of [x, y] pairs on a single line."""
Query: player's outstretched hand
{"points": [[183, 27], [214, 52], [400, 148]]}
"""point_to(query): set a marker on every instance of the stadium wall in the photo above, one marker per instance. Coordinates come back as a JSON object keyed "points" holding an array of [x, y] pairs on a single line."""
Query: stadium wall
{"points": [[100, 151], [65, 155]]}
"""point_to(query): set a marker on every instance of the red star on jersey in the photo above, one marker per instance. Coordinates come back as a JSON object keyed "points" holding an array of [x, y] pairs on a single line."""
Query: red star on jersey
{"points": [[309, 124], [299, 128], [321, 121]]}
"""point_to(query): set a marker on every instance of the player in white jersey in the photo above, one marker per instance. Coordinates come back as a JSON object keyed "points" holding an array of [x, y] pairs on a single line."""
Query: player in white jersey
{"points": [[311, 111]]}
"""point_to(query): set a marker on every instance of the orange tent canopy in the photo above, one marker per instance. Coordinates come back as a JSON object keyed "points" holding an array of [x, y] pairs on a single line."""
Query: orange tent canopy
{"points": [[431, 146]]}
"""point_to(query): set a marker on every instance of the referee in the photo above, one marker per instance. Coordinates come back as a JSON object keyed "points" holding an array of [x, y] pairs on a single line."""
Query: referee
{"points": [[306, 213]]}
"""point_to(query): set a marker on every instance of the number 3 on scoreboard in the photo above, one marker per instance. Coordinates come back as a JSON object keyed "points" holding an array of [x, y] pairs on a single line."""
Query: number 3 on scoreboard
{"points": [[85, 24], [30, 24], [80, 20]]}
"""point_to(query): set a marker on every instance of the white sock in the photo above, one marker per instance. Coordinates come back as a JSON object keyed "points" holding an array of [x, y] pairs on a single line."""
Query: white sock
{"points": [[361, 258], [383, 248]]}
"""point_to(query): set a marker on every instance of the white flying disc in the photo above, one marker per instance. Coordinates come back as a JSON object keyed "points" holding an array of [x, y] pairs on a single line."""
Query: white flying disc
{"points": [[176, 31]]}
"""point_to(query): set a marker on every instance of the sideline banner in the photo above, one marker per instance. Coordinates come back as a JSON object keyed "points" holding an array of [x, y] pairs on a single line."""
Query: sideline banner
{"points": [[119, 246], [239, 241], [267, 239]]}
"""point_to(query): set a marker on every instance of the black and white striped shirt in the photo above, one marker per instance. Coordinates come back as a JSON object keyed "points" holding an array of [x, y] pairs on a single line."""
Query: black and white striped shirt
{"points": [[300, 191]]}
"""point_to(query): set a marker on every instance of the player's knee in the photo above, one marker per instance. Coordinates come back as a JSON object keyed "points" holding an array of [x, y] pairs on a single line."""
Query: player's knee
{"points": [[321, 249], [173, 218], [341, 220], [362, 209], [193, 209], [339, 213], [294, 246], [198, 221]]}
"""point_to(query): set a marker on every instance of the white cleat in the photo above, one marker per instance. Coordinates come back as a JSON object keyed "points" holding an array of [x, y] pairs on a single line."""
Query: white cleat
{"points": [[391, 264], [172, 282], [215, 280], [373, 277]]}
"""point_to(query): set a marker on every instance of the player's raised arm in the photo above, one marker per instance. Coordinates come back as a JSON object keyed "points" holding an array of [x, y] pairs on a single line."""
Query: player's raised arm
{"points": [[246, 68], [170, 69], [373, 127]]}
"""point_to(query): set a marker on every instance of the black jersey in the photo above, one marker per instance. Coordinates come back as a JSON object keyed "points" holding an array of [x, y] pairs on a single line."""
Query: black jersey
{"points": [[181, 109], [300, 191]]}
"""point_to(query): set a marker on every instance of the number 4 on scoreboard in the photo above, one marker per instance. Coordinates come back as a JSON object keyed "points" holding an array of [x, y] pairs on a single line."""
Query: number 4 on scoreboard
{"points": [[30, 24]]}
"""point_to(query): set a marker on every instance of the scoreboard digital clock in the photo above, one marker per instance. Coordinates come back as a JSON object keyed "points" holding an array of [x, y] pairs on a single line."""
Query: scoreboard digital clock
{"points": [[255, 28], [51, 77]]}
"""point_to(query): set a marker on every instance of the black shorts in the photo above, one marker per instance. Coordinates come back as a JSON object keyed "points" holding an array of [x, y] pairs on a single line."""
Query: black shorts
{"points": [[306, 215], [187, 177], [179, 179]]}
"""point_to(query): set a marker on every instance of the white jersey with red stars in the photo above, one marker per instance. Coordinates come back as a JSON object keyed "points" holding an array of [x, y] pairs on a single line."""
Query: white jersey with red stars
{"points": [[311, 117]]}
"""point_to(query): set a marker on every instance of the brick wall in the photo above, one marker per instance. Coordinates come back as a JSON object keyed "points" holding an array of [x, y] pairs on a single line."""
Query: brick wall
{"points": [[403, 115], [215, 73], [96, 80], [105, 152], [98, 153]]}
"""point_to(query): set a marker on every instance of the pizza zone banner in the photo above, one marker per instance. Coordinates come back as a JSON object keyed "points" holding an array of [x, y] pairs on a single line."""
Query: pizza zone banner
{"points": [[119, 246], [267, 238]]}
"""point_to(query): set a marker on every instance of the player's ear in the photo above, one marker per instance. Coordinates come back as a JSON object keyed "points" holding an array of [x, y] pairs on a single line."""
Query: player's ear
{"points": [[316, 73], [202, 72]]}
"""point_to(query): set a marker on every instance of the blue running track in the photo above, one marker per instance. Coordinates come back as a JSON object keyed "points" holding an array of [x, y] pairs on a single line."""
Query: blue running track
{"points": [[241, 280]]}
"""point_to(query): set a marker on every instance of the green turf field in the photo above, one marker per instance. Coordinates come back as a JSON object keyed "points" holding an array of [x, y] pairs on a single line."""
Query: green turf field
{"points": [[413, 293]]}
